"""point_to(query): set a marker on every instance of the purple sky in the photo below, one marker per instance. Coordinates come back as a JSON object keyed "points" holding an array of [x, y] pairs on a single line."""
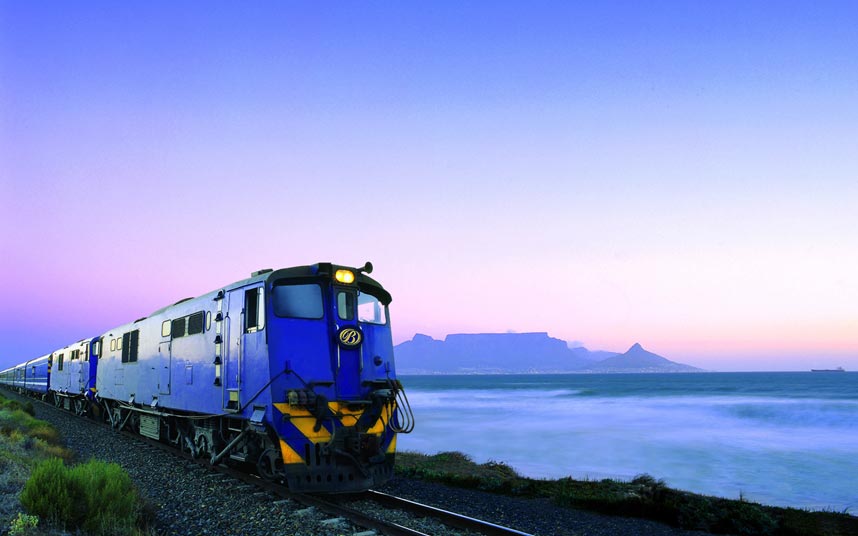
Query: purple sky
{"points": [[682, 175]]}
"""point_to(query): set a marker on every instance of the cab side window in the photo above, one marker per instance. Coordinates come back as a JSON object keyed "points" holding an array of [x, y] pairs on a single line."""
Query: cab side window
{"points": [[254, 310]]}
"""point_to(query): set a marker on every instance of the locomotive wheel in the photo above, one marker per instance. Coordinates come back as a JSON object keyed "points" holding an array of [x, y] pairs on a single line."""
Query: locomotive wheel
{"points": [[202, 446], [187, 445], [269, 465]]}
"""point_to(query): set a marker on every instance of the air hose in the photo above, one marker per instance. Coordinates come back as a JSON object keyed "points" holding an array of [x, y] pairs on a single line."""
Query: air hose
{"points": [[403, 423]]}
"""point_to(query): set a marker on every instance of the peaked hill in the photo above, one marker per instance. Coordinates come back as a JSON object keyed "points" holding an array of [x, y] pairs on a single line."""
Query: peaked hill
{"points": [[636, 359]]}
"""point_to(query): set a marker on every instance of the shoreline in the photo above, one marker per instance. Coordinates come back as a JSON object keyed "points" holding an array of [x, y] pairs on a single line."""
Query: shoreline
{"points": [[642, 497], [599, 476]]}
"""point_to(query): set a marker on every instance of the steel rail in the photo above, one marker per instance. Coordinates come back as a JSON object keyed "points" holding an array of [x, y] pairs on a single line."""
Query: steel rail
{"points": [[446, 517], [357, 517]]}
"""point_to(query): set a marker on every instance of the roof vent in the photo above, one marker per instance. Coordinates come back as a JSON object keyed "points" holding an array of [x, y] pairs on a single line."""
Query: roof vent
{"points": [[260, 272]]}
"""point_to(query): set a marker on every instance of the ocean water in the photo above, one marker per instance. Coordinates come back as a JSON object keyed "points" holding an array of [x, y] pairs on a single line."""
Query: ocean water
{"points": [[788, 439]]}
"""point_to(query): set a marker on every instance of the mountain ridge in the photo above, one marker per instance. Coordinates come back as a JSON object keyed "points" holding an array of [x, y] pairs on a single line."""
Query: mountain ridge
{"points": [[521, 353]]}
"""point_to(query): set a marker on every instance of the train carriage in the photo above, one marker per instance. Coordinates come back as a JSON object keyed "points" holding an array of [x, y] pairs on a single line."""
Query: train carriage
{"points": [[31, 376], [73, 376], [7, 377], [37, 374]]}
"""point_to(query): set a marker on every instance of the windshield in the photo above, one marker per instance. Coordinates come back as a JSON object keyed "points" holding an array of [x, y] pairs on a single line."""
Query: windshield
{"points": [[371, 310], [298, 301]]}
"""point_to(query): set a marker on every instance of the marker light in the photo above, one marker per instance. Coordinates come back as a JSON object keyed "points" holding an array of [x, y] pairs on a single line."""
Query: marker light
{"points": [[344, 276]]}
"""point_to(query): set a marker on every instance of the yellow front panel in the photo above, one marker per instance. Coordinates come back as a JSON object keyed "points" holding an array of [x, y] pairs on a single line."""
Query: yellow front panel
{"points": [[289, 454]]}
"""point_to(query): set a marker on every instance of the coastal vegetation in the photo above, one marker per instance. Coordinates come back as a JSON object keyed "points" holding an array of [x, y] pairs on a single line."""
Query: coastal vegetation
{"points": [[643, 497], [94, 497]]}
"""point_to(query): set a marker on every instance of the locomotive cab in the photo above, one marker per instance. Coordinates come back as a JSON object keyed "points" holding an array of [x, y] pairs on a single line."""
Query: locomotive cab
{"points": [[335, 408]]}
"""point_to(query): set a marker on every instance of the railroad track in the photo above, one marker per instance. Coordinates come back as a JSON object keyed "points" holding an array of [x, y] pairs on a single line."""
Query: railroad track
{"points": [[341, 509], [338, 506]]}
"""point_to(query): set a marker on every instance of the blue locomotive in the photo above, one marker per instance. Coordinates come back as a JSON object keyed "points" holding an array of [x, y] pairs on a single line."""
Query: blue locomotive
{"points": [[291, 371]]}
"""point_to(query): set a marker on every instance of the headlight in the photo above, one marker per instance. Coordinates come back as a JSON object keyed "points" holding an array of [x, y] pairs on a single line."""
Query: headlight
{"points": [[345, 276]]}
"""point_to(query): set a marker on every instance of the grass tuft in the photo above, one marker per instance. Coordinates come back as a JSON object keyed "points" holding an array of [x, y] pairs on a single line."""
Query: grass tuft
{"points": [[24, 432], [23, 525], [13, 405]]}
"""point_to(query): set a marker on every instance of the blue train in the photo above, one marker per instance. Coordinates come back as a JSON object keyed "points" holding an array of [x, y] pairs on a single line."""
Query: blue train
{"points": [[291, 371]]}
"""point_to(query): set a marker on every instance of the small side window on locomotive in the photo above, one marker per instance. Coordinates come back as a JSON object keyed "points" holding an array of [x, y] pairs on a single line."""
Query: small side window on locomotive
{"points": [[260, 301], [125, 346], [251, 310], [132, 344], [346, 305], [178, 327], [195, 323], [60, 363], [298, 301], [165, 328]]}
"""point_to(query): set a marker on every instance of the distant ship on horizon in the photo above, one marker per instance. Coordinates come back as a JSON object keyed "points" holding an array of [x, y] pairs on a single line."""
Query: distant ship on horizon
{"points": [[838, 369]]}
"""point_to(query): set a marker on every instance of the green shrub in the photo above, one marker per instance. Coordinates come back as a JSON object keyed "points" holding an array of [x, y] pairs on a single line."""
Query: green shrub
{"points": [[52, 494], [112, 502], [96, 497]]}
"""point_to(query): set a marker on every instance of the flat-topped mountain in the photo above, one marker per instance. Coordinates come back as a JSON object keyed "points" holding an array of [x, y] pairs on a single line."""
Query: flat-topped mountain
{"points": [[487, 353], [519, 353]]}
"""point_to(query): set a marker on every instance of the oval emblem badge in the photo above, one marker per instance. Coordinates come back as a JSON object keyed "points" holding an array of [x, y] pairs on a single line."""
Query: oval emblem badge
{"points": [[350, 337]]}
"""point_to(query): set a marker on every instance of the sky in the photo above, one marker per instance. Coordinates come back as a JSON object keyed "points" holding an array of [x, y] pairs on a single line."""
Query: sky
{"points": [[680, 174]]}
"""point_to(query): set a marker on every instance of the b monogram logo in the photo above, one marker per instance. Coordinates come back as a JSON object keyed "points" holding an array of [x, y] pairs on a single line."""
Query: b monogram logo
{"points": [[350, 337]]}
